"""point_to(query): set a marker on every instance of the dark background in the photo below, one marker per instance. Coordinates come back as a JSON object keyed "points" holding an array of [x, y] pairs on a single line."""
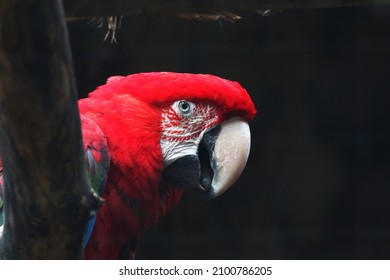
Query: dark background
{"points": [[317, 184]]}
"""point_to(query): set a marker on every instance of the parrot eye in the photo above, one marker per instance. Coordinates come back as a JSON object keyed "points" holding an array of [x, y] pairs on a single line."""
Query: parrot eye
{"points": [[184, 107]]}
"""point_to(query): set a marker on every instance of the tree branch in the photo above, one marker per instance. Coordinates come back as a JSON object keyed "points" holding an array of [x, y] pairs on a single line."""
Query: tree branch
{"points": [[95, 8], [46, 194]]}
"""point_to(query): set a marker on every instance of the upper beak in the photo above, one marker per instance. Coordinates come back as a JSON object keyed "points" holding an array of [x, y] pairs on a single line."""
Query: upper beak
{"points": [[230, 154], [221, 157]]}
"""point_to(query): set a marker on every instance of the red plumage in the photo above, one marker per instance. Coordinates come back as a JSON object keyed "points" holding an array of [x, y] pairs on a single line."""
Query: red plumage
{"points": [[132, 188], [128, 112]]}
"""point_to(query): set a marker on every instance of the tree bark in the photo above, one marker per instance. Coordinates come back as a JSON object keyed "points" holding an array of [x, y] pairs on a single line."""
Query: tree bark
{"points": [[95, 8], [46, 192]]}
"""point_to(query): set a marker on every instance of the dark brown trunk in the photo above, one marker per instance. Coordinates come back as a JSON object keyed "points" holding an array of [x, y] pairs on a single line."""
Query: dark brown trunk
{"points": [[47, 198]]}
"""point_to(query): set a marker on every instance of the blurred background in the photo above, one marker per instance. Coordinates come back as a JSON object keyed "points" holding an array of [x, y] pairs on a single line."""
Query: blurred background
{"points": [[317, 183]]}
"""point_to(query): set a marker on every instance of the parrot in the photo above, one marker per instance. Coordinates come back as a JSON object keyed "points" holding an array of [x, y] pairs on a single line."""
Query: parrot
{"points": [[150, 136]]}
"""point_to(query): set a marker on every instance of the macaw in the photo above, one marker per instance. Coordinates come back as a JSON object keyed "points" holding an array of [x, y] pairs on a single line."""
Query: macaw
{"points": [[149, 136]]}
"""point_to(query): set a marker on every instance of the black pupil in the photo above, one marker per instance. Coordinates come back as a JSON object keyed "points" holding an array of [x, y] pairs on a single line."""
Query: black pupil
{"points": [[184, 106]]}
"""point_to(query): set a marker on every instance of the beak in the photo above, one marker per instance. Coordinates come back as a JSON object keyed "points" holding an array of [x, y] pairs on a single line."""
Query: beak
{"points": [[230, 154], [220, 159]]}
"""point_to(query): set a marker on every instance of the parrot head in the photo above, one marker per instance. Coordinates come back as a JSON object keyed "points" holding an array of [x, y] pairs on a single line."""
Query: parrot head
{"points": [[205, 144], [204, 132]]}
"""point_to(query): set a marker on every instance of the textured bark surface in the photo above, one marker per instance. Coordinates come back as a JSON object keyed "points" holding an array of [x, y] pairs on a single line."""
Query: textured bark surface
{"points": [[94, 8], [47, 198]]}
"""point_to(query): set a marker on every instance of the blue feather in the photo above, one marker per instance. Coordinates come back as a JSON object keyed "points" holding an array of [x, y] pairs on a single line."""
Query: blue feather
{"points": [[88, 230]]}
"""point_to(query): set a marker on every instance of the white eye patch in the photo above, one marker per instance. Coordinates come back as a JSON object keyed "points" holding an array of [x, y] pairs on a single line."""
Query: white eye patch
{"points": [[183, 125]]}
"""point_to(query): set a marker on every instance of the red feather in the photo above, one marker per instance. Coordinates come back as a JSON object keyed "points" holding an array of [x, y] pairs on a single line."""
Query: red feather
{"points": [[163, 88], [128, 111], [132, 192]]}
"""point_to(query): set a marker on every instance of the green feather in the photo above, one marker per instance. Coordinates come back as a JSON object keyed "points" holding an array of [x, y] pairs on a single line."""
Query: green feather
{"points": [[97, 172]]}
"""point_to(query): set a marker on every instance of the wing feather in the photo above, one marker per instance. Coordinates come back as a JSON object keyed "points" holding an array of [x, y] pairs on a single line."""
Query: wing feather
{"points": [[97, 161]]}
